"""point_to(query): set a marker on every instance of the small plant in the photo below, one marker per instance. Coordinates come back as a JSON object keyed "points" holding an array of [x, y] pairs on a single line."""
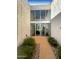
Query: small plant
{"points": [[29, 41], [53, 41], [59, 52]]}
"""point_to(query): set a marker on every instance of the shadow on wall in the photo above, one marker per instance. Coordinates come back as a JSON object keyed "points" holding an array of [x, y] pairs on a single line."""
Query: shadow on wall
{"points": [[56, 27]]}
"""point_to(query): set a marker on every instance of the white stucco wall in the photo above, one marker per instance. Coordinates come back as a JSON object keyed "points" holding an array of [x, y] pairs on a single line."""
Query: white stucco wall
{"points": [[23, 20], [56, 27]]}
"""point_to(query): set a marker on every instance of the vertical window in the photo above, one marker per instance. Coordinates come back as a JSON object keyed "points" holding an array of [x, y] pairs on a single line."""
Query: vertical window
{"points": [[37, 14], [32, 29], [33, 16], [46, 13], [42, 14]]}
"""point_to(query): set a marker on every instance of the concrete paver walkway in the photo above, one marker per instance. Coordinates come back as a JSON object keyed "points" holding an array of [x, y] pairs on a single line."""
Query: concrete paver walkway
{"points": [[45, 49]]}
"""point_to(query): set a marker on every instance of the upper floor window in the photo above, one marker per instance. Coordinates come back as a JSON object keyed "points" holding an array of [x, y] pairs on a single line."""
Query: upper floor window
{"points": [[42, 14], [37, 12], [37, 15], [33, 16]]}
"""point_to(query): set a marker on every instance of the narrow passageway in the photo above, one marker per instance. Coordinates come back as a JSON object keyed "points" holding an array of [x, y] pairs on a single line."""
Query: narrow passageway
{"points": [[45, 49]]}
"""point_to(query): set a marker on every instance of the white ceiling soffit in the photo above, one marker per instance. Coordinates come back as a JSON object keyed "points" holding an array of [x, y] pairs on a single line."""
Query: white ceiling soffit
{"points": [[55, 8]]}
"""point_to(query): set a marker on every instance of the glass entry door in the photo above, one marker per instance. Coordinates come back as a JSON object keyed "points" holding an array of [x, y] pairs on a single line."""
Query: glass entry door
{"points": [[40, 29], [45, 29]]}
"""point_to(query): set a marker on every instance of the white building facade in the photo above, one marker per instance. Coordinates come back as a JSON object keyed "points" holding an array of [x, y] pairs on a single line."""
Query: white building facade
{"points": [[39, 20]]}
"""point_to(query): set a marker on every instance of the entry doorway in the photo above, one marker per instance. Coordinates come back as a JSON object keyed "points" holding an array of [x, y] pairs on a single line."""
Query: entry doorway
{"points": [[40, 29]]}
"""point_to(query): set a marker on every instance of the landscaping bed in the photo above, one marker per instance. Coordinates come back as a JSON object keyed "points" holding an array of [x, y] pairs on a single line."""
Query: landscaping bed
{"points": [[26, 50], [55, 46]]}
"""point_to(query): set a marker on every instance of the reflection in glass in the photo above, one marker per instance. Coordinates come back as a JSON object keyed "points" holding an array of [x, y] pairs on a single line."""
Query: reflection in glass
{"points": [[37, 12], [45, 29], [42, 14], [42, 29], [33, 15], [37, 15], [38, 29], [33, 29]]}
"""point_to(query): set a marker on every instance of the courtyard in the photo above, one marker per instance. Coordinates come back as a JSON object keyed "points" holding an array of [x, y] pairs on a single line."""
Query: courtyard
{"points": [[46, 51]]}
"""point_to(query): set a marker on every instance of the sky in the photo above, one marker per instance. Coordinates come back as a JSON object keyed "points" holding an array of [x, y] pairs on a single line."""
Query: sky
{"points": [[37, 2]]}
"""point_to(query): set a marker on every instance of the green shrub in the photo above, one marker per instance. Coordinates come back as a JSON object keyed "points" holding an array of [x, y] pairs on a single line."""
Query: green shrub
{"points": [[29, 51], [29, 41], [53, 41], [26, 51], [59, 52], [56, 45], [27, 48]]}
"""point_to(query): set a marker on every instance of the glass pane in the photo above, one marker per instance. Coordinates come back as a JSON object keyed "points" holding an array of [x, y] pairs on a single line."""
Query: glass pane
{"points": [[37, 15], [33, 16], [48, 14], [38, 29], [45, 15], [42, 14], [33, 29], [47, 26], [45, 29], [42, 29]]}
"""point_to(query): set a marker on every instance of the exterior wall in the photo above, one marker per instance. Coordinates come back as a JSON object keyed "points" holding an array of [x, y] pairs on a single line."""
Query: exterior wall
{"points": [[56, 20], [23, 20], [56, 27]]}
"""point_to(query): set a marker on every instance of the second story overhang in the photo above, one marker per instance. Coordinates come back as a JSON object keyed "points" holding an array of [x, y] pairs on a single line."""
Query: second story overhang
{"points": [[40, 7]]}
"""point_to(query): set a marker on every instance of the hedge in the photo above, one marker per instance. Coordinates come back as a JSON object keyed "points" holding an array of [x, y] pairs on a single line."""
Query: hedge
{"points": [[27, 48], [53, 42]]}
